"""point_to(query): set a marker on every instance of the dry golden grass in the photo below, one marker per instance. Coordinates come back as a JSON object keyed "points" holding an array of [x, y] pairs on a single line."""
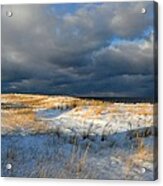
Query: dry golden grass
{"points": [[25, 118], [75, 165], [141, 155], [140, 109]]}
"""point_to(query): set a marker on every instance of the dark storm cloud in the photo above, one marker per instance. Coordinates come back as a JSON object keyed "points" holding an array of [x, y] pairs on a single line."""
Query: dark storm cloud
{"points": [[92, 49]]}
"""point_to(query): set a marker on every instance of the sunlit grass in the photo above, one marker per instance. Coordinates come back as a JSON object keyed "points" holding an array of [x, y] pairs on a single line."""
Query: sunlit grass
{"points": [[19, 116], [25, 117]]}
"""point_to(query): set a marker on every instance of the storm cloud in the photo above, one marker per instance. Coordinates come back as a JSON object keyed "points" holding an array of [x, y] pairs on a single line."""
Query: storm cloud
{"points": [[101, 49]]}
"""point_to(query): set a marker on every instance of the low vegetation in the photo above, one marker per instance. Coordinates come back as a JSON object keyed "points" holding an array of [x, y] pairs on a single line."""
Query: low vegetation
{"points": [[86, 139]]}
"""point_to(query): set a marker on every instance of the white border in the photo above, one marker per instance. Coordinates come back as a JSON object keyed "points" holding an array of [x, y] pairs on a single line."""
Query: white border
{"points": [[63, 1], [40, 182]]}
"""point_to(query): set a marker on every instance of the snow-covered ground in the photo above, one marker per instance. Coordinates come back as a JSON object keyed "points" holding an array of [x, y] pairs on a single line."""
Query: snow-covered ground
{"points": [[112, 141], [51, 156], [72, 122]]}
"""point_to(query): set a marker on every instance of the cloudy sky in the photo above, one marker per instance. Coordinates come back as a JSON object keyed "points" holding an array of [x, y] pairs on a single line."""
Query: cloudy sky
{"points": [[102, 49]]}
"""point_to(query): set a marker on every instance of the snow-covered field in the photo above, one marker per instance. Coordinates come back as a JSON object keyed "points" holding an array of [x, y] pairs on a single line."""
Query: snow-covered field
{"points": [[65, 137]]}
